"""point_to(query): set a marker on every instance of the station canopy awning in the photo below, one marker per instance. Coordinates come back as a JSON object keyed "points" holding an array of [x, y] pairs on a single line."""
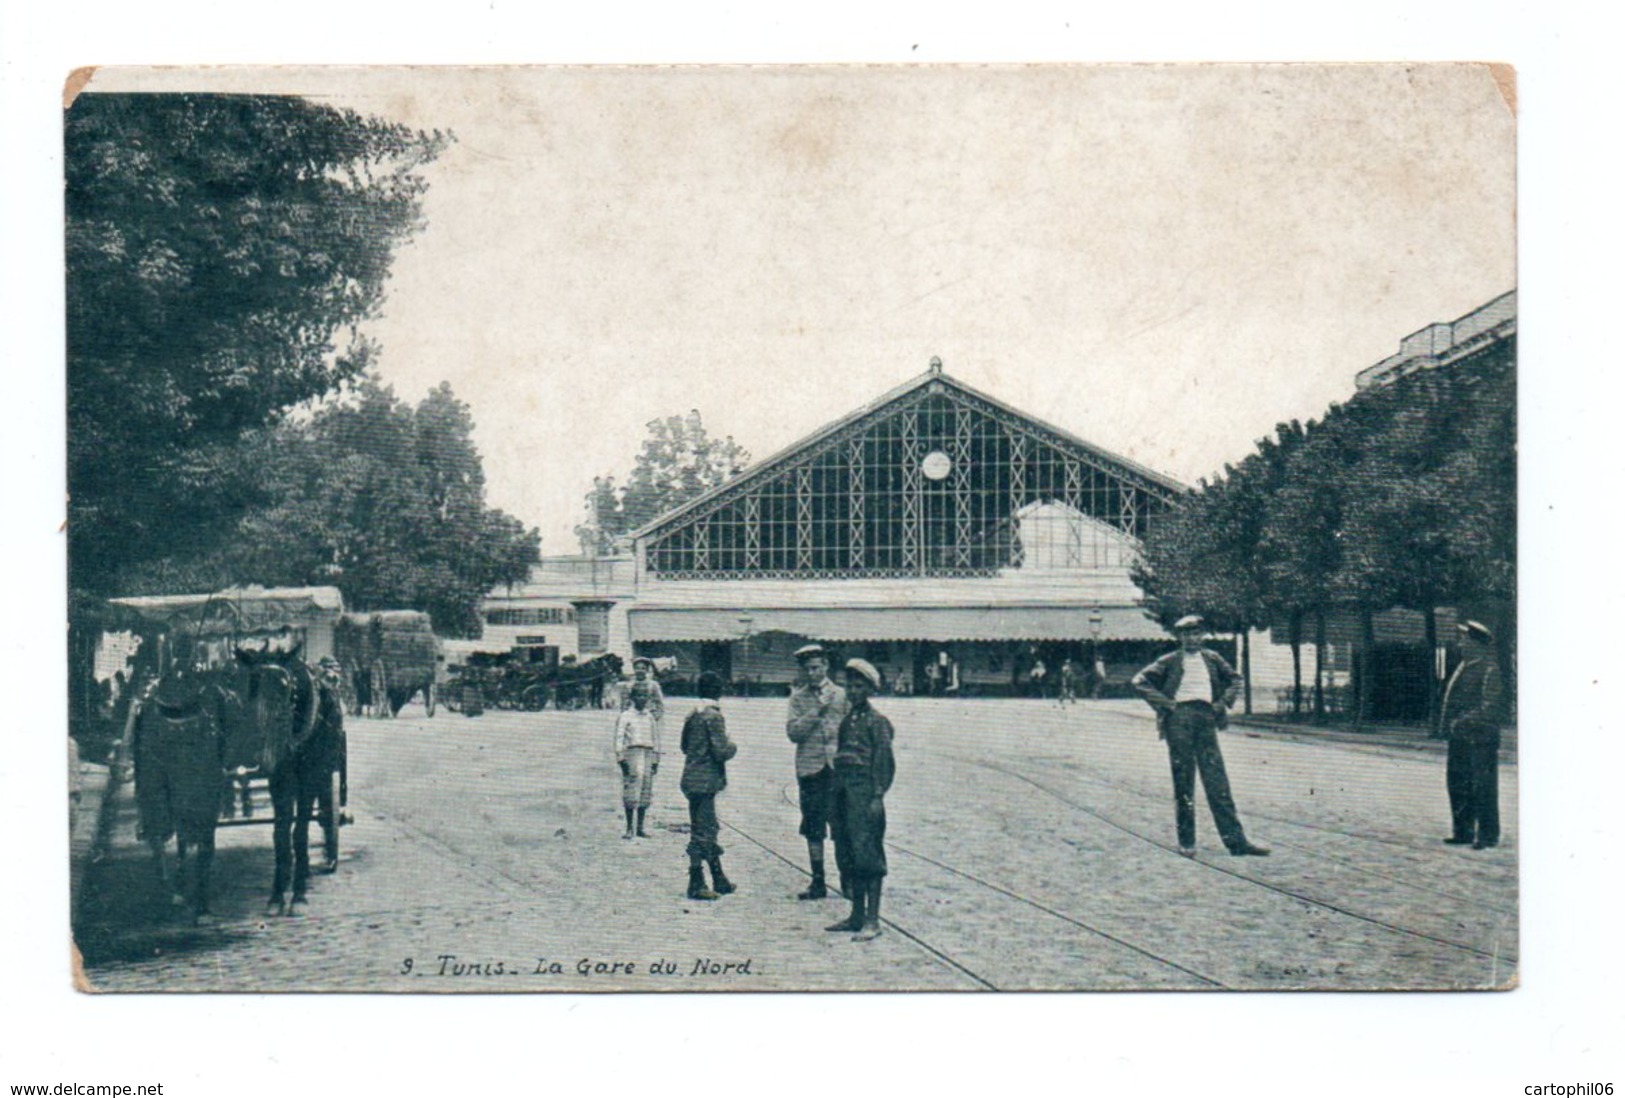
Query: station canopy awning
{"points": [[956, 623]]}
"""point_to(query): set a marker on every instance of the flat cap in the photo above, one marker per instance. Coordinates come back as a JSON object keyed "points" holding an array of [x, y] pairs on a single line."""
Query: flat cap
{"points": [[807, 651], [644, 661], [866, 669], [1189, 621], [1477, 630]]}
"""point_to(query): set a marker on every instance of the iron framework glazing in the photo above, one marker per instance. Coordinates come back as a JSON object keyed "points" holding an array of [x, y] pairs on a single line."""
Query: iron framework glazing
{"points": [[932, 484]]}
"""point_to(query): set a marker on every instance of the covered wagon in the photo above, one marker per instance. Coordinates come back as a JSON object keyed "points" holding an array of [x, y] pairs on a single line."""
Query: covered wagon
{"points": [[389, 656]]}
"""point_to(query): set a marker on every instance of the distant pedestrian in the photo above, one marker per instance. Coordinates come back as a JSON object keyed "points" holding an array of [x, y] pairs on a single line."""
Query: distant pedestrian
{"points": [[864, 769], [1069, 681], [1473, 711], [1191, 688], [1097, 678], [1035, 676], [706, 751], [637, 753], [817, 707]]}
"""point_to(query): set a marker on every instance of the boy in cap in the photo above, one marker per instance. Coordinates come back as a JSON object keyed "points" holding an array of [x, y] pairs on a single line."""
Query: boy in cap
{"points": [[637, 753], [706, 751], [1191, 688], [864, 768], [816, 709], [1472, 713], [643, 671]]}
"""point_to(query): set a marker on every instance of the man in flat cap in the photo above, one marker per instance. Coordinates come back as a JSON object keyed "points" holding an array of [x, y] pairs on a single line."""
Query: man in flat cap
{"points": [[1473, 711], [864, 768], [816, 708], [1191, 688]]}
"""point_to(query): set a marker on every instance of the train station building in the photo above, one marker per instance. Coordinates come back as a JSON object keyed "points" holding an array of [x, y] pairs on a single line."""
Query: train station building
{"points": [[948, 538]]}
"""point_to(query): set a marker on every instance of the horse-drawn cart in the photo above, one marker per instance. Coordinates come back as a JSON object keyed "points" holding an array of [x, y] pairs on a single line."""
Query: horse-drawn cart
{"points": [[230, 707], [390, 656]]}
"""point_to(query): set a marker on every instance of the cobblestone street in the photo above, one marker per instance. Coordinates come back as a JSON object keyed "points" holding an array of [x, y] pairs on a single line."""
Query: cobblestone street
{"points": [[1032, 847]]}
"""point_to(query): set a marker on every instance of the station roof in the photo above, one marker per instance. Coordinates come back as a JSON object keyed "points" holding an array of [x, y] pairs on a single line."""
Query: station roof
{"points": [[1150, 478]]}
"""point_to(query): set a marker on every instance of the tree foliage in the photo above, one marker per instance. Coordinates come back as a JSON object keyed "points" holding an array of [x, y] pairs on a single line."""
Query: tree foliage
{"points": [[221, 250], [384, 501], [1404, 496], [679, 460]]}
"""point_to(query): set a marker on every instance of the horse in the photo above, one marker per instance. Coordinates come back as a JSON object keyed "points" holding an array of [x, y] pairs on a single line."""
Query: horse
{"points": [[179, 752], [296, 722], [603, 669]]}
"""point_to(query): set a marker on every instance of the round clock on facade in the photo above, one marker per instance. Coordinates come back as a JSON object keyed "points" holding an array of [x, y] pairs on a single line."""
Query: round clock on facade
{"points": [[936, 465]]}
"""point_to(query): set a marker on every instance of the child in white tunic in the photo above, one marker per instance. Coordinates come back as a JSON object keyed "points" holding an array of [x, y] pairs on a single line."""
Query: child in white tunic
{"points": [[637, 752]]}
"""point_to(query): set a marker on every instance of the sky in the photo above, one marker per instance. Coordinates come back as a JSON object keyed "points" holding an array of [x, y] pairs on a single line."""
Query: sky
{"points": [[1164, 260]]}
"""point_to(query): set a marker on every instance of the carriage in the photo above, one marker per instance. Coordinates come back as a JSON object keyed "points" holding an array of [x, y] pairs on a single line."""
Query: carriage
{"points": [[226, 707], [513, 680], [389, 657]]}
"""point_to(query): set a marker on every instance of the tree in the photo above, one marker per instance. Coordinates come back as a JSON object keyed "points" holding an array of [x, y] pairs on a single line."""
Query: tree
{"points": [[221, 250], [386, 502], [679, 460]]}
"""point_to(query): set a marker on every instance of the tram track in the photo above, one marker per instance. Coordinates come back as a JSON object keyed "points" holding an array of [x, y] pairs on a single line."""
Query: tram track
{"points": [[1001, 890], [1301, 897], [939, 954], [1090, 775], [1301, 741]]}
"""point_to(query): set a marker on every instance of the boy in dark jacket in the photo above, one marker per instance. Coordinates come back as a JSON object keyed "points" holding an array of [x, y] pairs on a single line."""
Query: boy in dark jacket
{"points": [[706, 748], [864, 768]]}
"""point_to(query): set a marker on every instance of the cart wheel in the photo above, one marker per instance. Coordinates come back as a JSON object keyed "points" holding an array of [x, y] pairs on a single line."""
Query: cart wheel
{"points": [[428, 698], [334, 824]]}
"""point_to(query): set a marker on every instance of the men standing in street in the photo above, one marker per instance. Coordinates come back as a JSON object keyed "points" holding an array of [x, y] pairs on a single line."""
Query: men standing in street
{"points": [[1473, 711], [816, 708], [706, 751], [1191, 688], [864, 768]]}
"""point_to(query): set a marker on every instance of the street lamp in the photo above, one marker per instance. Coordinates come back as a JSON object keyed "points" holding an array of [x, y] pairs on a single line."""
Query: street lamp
{"points": [[747, 627]]}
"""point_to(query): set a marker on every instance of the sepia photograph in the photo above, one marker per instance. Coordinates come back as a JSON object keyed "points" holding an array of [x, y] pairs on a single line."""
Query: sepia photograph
{"points": [[840, 528]]}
